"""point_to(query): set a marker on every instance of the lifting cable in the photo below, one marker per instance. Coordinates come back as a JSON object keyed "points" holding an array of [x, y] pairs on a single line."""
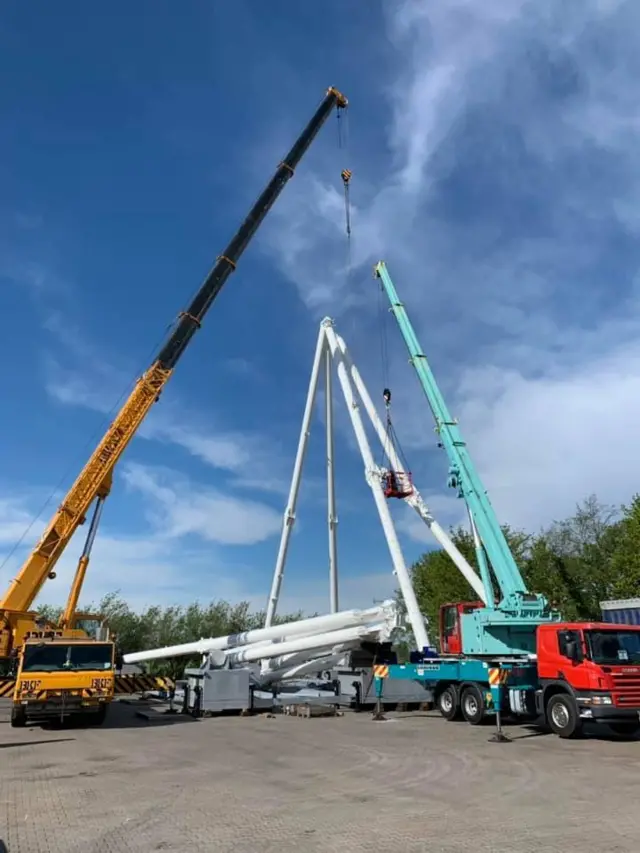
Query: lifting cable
{"points": [[391, 438], [345, 174]]}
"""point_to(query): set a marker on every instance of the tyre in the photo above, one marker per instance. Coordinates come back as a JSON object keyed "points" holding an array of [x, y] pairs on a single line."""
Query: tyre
{"points": [[18, 717], [562, 716], [472, 703], [101, 715], [448, 703], [625, 729]]}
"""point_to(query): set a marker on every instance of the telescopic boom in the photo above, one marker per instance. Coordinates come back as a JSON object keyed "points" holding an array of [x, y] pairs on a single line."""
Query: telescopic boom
{"points": [[71, 513]]}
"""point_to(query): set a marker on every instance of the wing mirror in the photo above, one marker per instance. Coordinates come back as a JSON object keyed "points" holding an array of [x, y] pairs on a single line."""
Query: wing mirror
{"points": [[574, 651]]}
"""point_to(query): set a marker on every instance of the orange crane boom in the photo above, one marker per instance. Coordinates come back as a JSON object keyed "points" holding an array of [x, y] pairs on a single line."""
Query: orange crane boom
{"points": [[71, 513]]}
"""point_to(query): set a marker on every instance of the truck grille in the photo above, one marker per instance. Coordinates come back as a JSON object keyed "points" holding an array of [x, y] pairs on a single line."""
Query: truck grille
{"points": [[626, 689]]}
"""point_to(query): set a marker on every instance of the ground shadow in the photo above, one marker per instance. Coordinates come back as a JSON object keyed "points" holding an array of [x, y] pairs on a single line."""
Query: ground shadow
{"points": [[123, 716], [34, 743], [592, 731], [515, 729]]}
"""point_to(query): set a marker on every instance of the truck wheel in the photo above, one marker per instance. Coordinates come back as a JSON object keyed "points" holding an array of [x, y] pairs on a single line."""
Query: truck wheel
{"points": [[472, 703], [562, 716], [448, 703], [100, 716], [625, 729], [18, 717]]}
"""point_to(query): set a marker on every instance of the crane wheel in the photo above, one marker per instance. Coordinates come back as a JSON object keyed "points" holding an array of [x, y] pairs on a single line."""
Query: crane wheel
{"points": [[472, 704], [18, 717], [562, 716], [101, 715], [448, 703]]}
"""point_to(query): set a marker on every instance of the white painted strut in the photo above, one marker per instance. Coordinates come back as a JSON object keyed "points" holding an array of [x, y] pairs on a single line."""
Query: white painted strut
{"points": [[374, 479], [317, 624], [332, 519], [290, 511], [415, 499]]}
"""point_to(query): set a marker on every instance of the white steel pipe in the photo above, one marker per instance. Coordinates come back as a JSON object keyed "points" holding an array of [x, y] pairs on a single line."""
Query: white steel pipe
{"points": [[303, 644], [302, 657], [415, 499], [332, 519], [315, 665], [278, 648], [372, 474], [290, 511], [328, 622]]}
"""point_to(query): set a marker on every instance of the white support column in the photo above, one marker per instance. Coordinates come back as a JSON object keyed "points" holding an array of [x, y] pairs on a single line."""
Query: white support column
{"points": [[373, 476], [415, 499], [290, 512], [332, 519]]}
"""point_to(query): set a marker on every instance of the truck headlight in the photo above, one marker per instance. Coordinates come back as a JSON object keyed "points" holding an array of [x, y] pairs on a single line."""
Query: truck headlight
{"points": [[597, 699]]}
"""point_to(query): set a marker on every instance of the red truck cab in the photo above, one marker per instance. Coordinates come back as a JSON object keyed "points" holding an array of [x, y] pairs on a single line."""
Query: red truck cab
{"points": [[450, 625], [597, 666]]}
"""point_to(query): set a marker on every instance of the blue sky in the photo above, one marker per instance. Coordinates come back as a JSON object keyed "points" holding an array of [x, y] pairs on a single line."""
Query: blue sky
{"points": [[495, 168]]}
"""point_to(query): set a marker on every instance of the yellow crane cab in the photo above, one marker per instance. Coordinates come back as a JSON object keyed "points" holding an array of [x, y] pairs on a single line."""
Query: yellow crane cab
{"points": [[61, 677]]}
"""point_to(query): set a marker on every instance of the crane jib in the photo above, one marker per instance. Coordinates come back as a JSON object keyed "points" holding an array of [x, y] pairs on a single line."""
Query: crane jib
{"points": [[191, 319], [90, 482]]}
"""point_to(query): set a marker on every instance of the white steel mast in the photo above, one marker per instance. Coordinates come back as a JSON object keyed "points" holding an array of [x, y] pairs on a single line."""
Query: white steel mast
{"points": [[331, 348]]}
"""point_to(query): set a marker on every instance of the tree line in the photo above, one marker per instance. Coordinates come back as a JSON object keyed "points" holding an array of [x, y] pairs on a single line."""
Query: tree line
{"points": [[576, 563], [592, 556]]}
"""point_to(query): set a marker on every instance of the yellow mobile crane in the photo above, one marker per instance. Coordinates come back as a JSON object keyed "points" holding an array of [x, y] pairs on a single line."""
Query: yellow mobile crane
{"points": [[59, 670]]}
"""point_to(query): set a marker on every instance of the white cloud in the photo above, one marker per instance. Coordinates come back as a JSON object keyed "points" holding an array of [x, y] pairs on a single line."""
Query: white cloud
{"points": [[180, 509], [522, 297], [544, 444], [14, 520], [189, 537], [254, 460]]}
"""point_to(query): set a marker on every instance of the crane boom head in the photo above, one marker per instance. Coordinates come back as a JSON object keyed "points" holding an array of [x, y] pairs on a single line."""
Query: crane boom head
{"points": [[341, 101]]}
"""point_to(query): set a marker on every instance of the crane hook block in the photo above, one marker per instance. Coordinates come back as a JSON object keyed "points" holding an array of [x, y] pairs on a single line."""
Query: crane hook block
{"points": [[346, 176], [386, 396]]}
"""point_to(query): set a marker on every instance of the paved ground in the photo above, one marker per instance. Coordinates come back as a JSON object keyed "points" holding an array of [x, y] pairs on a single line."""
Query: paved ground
{"points": [[260, 785]]}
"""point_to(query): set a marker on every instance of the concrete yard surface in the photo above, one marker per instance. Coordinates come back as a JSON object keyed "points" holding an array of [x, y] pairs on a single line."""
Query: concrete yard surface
{"points": [[321, 785]]}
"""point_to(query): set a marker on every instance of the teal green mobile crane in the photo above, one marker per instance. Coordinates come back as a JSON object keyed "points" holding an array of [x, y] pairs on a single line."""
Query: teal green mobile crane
{"points": [[512, 652]]}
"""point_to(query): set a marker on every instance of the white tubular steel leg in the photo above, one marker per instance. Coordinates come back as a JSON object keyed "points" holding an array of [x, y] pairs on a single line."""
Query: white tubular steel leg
{"points": [[414, 500], [290, 512], [372, 474], [332, 519]]}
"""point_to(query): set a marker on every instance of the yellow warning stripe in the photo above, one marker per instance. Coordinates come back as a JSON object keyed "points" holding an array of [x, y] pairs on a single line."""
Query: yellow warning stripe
{"points": [[124, 684], [139, 683], [7, 686], [498, 676], [381, 670]]}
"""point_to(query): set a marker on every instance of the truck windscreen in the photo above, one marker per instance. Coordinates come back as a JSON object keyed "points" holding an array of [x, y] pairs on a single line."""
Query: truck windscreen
{"points": [[614, 647], [59, 657]]}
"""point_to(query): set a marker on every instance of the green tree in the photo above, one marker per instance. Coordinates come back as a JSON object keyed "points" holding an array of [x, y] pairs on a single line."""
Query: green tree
{"points": [[624, 581], [437, 580], [572, 560]]}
